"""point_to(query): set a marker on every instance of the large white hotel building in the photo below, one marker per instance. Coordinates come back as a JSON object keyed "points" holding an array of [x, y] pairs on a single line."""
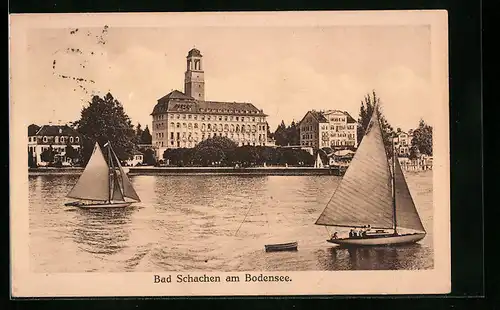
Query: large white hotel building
{"points": [[182, 120]]}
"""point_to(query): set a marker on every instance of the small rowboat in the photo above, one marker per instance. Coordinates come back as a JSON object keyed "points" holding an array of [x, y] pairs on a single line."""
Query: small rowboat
{"points": [[291, 246]]}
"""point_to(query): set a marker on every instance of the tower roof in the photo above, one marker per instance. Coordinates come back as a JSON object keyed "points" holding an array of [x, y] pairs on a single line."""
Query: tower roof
{"points": [[194, 52]]}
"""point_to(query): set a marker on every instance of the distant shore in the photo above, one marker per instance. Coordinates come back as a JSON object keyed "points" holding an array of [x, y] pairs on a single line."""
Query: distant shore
{"points": [[149, 170]]}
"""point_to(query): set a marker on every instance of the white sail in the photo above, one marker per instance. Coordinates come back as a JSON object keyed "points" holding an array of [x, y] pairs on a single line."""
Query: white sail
{"points": [[93, 184], [128, 189], [364, 195], [117, 192], [319, 162], [406, 212]]}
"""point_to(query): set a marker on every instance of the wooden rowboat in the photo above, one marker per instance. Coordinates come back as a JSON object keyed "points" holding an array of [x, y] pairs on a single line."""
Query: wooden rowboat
{"points": [[291, 246]]}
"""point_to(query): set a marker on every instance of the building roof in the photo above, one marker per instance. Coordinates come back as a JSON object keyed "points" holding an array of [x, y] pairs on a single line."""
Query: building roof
{"points": [[177, 101], [32, 130], [56, 130], [194, 52]]}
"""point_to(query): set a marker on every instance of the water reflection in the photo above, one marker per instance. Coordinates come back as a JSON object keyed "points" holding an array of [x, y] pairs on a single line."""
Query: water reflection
{"points": [[102, 231], [371, 258]]}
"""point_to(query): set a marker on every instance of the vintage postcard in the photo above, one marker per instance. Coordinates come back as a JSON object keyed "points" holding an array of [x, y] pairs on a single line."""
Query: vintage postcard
{"points": [[224, 154]]}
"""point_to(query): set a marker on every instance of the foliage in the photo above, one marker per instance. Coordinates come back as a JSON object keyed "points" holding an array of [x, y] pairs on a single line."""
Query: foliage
{"points": [[222, 143], [422, 138], [31, 159], [287, 135], [365, 114], [414, 153], [146, 137], [71, 152], [243, 156], [47, 155], [102, 121], [149, 157]]}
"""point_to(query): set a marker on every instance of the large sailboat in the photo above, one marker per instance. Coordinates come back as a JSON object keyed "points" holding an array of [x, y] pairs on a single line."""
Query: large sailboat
{"points": [[101, 185], [373, 198]]}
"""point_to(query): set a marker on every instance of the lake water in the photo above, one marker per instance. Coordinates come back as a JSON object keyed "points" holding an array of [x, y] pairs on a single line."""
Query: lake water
{"points": [[196, 223]]}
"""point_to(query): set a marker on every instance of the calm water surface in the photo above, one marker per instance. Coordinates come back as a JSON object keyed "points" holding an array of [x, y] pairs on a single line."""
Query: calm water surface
{"points": [[195, 223]]}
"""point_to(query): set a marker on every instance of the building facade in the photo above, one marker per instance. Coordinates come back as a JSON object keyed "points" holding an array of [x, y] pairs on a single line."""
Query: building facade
{"points": [[332, 128], [182, 120], [57, 137], [402, 143]]}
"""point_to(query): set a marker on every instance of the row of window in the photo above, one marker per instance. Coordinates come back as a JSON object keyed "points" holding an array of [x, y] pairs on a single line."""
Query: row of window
{"points": [[209, 117], [56, 139], [338, 143], [215, 127], [190, 135]]}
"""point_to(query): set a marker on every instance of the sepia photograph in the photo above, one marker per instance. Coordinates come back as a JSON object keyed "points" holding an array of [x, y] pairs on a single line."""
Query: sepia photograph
{"points": [[283, 153]]}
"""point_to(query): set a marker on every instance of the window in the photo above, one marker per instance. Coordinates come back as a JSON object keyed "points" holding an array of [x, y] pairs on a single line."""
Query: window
{"points": [[209, 126], [71, 139], [190, 126], [77, 139], [220, 118], [189, 116], [178, 116], [44, 139], [56, 139], [195, 125], [183, 125], [172, 135], [62, 139], [178, 125], [178, 135], [183, 116]]}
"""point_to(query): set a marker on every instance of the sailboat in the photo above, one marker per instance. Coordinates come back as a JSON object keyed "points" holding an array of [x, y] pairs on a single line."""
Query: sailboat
{"points": [[373, 198], [318, 163], [100, 183]]}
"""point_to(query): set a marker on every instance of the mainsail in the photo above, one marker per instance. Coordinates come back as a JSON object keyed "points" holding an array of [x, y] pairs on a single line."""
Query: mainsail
{"points": [[406, 212], [319, 162], [128, 189], [94, 181], [364, 195]]}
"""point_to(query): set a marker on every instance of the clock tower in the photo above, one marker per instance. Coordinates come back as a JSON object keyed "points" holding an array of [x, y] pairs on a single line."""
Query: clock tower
{"points": [[194, 78]]}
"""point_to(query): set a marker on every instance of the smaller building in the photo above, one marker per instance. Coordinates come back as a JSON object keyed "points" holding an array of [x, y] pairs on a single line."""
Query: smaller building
{"points": [[403, 143], [50, 144], [136, 158], [332, 128]]}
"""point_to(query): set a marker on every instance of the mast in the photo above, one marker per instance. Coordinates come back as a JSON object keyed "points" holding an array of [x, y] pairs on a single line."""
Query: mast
{"points": [[110, 165], [394, 187]]}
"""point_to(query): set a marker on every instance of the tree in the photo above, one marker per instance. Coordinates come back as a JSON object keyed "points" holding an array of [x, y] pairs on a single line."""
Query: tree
{"points": [[149, 157], [222, 143], [293, 135], [138, 133], [365, 114], [269, 134], [31, 159], [146, 137], [71, 152], [47, 155], [102, 121], [280, 134], [414, 153], [422, 138]]}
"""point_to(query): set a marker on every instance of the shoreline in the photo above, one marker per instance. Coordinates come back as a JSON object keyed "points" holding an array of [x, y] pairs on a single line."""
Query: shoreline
{"points": [[147, 170]]}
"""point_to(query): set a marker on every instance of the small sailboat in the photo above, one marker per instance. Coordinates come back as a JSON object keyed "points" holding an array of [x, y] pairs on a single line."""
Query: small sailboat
{"points": [[318, 163], [373, 196], [101, 185]]}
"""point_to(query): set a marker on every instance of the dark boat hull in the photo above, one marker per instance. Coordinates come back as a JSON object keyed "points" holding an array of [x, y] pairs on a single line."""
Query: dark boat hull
{"points": [[99, 205], [292, 246], [377, 240]]}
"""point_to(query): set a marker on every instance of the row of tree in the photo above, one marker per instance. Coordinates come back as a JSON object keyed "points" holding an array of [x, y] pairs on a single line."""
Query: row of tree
{"points": [[221, 151]]}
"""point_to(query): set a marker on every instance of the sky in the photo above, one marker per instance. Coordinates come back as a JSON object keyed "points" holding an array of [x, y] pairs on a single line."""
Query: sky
{"points": [[285, 71]]}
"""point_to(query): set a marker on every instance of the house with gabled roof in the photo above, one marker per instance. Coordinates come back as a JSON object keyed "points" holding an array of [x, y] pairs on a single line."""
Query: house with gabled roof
{"points": [[183, 119], [331, 128], [56, 138]]}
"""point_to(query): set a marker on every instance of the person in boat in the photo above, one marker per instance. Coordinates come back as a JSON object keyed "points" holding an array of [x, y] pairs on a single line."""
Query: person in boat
{"points": [[351, 233], [335, 236]]}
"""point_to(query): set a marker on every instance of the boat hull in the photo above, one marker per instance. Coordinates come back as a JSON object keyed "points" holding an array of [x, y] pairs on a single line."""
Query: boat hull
{"points": [[102, 205], [292, 246], [380, 240]]}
